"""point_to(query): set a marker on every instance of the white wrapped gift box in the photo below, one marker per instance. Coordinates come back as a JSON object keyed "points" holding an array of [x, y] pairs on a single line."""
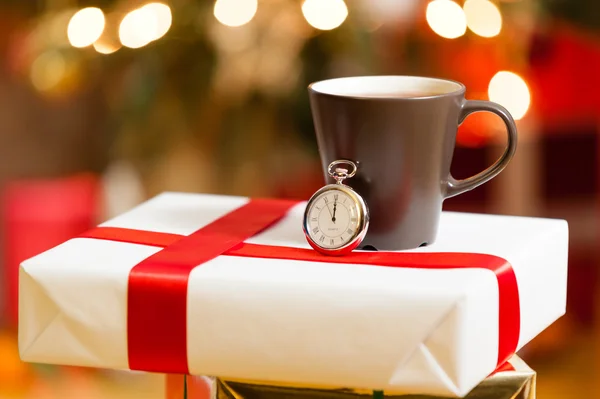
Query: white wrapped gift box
{"points": [[411, 330]]}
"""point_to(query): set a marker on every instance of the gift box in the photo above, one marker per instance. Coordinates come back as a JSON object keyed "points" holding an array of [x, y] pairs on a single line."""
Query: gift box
{"points": [[516, 380], [228, 286]]}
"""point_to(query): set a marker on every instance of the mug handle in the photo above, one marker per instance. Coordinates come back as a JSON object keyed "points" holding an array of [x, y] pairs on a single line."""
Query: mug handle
{"points": [[455, 187]]}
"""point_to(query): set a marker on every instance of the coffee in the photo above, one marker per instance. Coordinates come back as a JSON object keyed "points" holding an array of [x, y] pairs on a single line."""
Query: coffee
{"points": [[400, 94], [387, 87]]}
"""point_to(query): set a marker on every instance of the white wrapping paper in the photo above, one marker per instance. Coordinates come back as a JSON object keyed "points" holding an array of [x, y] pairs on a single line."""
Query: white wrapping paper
{"points": [[412, 330]]}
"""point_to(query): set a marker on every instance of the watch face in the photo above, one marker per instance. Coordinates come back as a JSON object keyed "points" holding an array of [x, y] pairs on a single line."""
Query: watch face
{"points": [[333, 219]]}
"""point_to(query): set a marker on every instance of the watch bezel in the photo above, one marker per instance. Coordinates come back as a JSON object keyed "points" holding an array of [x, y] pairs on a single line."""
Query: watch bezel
{"points": [[361, 228]]}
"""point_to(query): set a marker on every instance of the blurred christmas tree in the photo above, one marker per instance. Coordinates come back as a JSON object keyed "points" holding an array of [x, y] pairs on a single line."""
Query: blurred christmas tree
{"points": [[211, 96]]}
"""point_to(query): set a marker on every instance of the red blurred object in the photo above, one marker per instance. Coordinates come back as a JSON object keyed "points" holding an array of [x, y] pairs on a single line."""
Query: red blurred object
{"points": [[564, 65], [40, 214], [478, 130]]}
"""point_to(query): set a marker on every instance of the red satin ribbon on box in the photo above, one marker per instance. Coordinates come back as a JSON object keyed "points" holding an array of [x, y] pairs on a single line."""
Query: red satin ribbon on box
{"points": [[157, 290]]}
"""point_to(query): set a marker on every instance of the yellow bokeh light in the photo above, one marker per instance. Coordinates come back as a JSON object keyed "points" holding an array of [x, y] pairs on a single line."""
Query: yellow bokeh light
{"points": [[85, 27], [446, 18], [163, 16], [235, 12], [144, 25], [510, 90], [483, 17], [105, 47], [138, 28], [48, 70], [325, 14]]}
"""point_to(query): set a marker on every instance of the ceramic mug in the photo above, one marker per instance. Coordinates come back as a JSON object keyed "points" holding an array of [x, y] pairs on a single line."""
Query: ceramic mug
{"points": [[401, 131]]}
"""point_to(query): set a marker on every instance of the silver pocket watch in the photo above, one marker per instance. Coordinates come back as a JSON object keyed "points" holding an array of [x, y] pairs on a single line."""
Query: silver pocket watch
{"points": [[336, 218]]}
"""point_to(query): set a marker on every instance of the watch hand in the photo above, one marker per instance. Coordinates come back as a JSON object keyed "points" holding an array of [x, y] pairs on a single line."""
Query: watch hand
{"points": [[333, 217], [330, 214]]}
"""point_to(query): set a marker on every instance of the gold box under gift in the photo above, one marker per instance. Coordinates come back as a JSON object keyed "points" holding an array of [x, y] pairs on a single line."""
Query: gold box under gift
{"points": [[517, 381]]}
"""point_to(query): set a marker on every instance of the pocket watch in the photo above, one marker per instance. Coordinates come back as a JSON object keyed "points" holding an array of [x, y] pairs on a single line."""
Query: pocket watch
{"points": [[336, 217]]}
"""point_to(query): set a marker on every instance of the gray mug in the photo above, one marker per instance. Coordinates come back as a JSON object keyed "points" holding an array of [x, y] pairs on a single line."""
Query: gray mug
{"points": [[401, 131]]}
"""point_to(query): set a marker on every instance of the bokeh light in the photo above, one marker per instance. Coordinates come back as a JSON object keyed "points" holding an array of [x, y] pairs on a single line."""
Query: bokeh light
{"points": [[48, 70], [446, 18], [510, 90], [145, 24], [138, 28], [85, 27], [162, 13], [325, 14], [235, 12], [483, 17], [105, 47]]}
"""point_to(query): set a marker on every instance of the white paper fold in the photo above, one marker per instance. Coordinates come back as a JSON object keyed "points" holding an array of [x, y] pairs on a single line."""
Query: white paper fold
{"points": [[412, 330]]}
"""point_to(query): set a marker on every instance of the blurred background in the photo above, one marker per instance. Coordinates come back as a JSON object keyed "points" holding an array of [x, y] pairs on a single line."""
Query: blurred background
{"points": [[105, 103]]}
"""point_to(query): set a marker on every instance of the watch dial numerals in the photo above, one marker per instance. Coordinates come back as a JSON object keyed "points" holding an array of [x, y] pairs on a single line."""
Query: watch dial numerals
{"points": [[322, 238], [326, 200], [353, 220], [315, 230], [350, 231], [313, 219], [335, 197]]}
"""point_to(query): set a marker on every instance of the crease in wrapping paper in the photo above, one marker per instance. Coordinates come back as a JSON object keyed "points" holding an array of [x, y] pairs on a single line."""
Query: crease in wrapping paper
{"points": [[157, 288], [514, 380]]}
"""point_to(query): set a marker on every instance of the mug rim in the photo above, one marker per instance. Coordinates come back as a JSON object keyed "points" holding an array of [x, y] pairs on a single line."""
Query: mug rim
{"points": [[460, 90]]}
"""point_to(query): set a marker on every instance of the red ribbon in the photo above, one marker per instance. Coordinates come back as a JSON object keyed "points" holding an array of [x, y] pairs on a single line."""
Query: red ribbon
{"points": [[157, 290]]}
